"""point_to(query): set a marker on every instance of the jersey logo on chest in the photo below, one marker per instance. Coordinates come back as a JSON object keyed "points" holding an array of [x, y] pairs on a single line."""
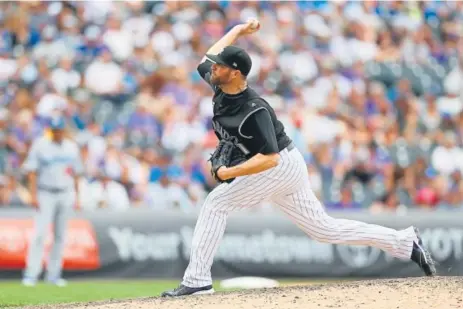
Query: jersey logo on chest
{"points": [[224, 134], [51, 160]]}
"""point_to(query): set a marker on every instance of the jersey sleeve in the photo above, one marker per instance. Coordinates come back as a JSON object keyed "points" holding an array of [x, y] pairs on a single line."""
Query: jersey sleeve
{"points": [[204, 69], [31, 164], [259, 125]]}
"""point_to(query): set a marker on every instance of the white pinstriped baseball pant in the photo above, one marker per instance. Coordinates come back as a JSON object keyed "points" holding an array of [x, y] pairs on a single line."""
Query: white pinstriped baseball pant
{"points": [[287, 185]]}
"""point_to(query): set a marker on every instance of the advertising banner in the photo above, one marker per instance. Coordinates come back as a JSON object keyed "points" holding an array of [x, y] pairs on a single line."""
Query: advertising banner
{"points": [[148, 244], [80, 252]]}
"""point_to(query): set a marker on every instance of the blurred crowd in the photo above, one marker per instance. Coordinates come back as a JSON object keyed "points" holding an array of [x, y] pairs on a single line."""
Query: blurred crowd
{"points": [[371, 93]]}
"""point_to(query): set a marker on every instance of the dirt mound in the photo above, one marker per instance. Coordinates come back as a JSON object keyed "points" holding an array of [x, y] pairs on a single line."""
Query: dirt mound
{"points": [[410, 293]]}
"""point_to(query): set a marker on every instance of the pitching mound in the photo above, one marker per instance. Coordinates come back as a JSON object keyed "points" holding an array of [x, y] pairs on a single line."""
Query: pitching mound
{"points": [[410, 293]]}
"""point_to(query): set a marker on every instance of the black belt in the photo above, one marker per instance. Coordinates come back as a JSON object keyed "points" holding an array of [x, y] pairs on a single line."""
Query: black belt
{"points": [[290, 147]]}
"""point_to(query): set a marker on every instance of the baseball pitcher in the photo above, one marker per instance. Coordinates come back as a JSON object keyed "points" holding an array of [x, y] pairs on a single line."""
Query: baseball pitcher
{"points": [[256, 161]]}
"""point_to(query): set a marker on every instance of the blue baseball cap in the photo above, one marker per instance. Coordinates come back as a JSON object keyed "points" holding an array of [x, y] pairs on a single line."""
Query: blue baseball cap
{"points": [[57, 123]]}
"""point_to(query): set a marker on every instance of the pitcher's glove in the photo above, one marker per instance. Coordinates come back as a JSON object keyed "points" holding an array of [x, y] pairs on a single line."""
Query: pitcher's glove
{"points": [[226, 154]]}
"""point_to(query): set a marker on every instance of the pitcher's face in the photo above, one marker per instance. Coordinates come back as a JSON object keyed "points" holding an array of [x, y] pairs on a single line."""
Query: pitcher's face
{"points": [[222, 75]]}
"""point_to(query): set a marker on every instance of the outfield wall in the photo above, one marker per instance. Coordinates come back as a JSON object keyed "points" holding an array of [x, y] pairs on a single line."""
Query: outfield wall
{"points": [[150, 244]]}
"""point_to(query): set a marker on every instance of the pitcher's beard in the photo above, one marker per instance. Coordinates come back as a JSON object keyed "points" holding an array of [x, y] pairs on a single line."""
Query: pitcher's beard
{"points": [[215, 81]]}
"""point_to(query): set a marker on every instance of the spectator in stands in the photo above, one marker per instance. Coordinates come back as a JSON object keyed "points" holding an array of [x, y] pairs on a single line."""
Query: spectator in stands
{"points": [[430, 117], [453, 193], [167, 193], [102, 192], [11, 193], [5, 198], [118, 40], [447, 157], [90, 46], [51, 48], [64, 78], [388, 203], [4, 114], [143, 125], [363, 169], [104, 76], [346, 199], [8, 66], [428, 196], [182, 131], [371, 91], [151, 98]]}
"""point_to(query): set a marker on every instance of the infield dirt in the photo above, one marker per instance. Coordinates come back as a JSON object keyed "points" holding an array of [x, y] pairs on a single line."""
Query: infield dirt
{"points": [[409, 293]]}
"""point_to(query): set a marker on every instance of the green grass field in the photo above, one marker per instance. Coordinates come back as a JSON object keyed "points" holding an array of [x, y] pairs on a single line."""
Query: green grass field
{"points": [[13, 294]]}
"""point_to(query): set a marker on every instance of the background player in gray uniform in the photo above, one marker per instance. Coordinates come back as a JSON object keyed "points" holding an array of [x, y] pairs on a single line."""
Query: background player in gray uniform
{"points": [[52, 166], [274, 170]]}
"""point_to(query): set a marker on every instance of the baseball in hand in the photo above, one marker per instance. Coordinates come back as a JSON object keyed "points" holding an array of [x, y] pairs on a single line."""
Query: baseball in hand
{"points": [[254, 23]]}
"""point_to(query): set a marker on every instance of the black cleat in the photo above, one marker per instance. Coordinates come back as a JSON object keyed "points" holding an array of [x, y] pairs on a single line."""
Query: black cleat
{"points": [[183, 290], [422, 257]]}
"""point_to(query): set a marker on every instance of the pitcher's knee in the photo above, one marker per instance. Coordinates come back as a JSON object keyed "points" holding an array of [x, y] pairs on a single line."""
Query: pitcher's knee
{"points": [[213, 207], [324, 229], [217, 204]]}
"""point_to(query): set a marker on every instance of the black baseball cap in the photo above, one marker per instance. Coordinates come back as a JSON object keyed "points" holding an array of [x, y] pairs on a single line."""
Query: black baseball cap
{"points": [[233, 57]]}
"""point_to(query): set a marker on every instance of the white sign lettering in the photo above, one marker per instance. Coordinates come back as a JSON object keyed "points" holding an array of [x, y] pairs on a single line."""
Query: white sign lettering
{"points": [[266, 247], [444, 243], [141, 247]]}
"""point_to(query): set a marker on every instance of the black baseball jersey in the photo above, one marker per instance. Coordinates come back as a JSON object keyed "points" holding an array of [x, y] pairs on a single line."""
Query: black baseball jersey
{"points": [[246, 118]]}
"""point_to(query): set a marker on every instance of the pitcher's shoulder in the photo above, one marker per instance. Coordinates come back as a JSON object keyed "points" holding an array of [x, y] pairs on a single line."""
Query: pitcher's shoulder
{"points": [[254, 106], [257, 103]]}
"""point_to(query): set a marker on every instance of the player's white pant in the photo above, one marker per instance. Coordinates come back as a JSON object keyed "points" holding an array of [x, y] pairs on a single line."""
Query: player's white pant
{"points": [[56, 209], [288, 186]]}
